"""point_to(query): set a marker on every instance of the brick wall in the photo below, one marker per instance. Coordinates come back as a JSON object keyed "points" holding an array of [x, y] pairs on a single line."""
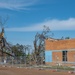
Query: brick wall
{"points": [[56, 56], [70, 56], [61, 45]]}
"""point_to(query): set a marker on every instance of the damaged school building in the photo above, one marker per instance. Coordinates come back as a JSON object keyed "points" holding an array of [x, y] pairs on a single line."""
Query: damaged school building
{"points": [[60, 51]]}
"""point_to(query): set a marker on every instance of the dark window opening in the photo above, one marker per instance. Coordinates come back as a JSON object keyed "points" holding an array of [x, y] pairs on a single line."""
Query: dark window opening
{"points": [[64, 55]]}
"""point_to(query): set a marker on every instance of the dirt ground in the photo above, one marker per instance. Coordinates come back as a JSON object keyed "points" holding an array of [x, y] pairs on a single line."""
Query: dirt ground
{"points": [[29, 71]]}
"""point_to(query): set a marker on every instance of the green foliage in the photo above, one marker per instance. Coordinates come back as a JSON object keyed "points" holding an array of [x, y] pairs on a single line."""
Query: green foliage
{"points": [[67, 38], [18, 50]]}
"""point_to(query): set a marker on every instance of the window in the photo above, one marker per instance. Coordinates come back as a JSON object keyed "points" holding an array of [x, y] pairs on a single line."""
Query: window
{"points": [[64, 55]]}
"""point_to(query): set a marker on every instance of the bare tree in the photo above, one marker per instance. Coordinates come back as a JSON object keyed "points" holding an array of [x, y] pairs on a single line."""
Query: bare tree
{"points": [[39, 45], [2, 38]]}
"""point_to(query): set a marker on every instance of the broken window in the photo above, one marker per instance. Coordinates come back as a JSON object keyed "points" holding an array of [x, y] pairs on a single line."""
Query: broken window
{"points": [[64, 55]]}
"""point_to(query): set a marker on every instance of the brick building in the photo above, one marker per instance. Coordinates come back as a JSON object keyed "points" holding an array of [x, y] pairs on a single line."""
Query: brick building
{"points": [[60, 51]]}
